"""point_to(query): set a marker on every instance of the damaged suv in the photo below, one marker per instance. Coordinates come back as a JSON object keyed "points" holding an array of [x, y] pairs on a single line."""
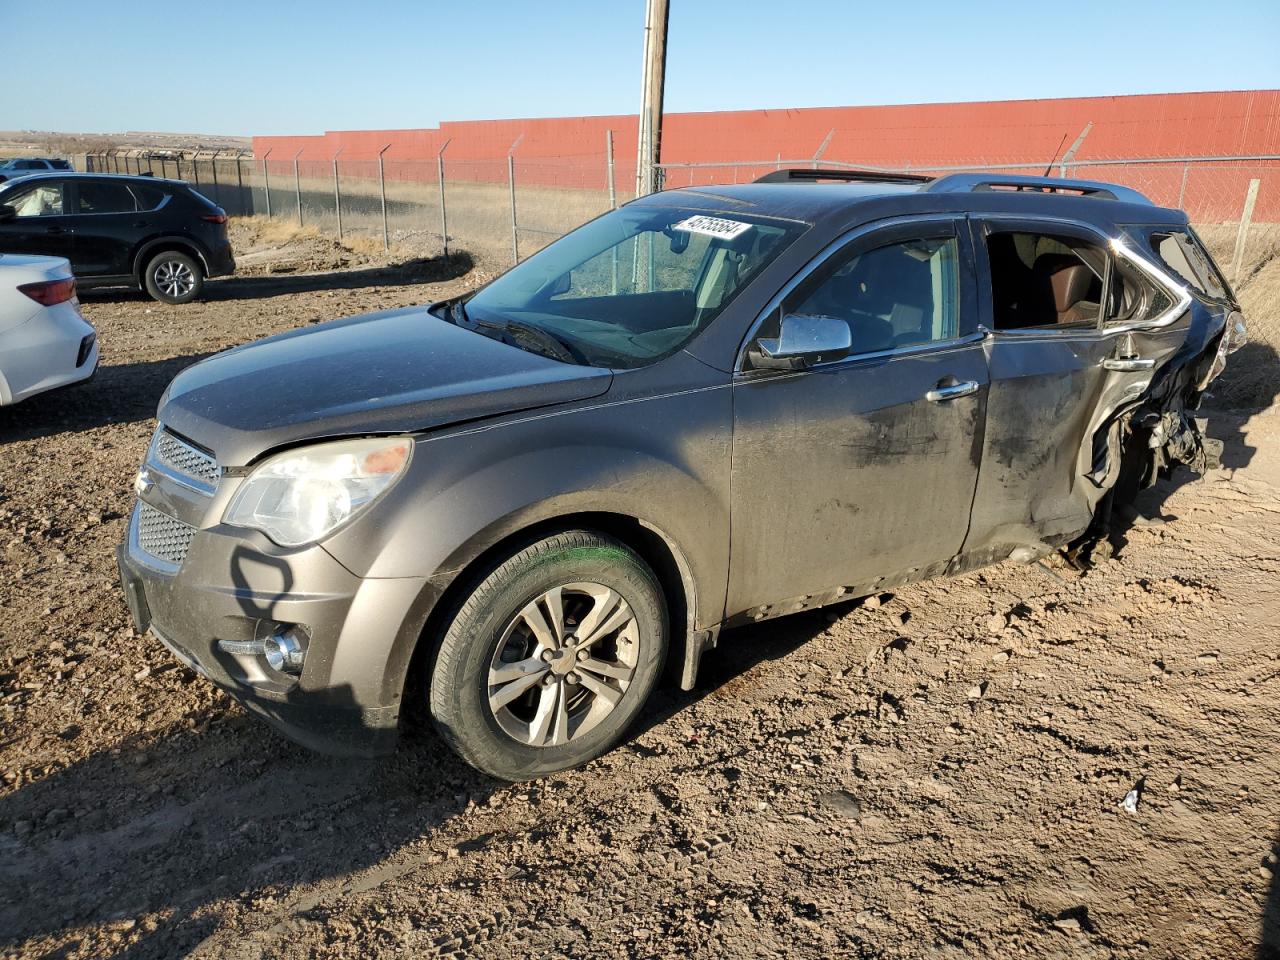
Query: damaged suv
{"points": [[709, 407]]}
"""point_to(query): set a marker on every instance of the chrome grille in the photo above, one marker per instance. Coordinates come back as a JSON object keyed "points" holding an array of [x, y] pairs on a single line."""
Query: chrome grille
{"points": [[164, 537], [181, 457]]}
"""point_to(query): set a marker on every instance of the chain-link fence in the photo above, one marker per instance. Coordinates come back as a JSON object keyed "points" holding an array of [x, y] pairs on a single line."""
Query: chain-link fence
{"points": [[508, 207], [1233, 201], [502, 209], [225, 177]]}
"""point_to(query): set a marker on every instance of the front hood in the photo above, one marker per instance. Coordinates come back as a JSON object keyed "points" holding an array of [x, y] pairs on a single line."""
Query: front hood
{"points": [[397, 371]]}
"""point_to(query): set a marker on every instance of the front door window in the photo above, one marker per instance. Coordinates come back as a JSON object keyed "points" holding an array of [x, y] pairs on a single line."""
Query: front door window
{"points": [[898, 295], [44, 200]]}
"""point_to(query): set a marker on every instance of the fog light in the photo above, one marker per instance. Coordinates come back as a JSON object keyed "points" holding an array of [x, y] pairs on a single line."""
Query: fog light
{"points": [[286, 650]]}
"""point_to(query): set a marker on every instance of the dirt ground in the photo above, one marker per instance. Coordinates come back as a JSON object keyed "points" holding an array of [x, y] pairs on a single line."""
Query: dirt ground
{"points": [[933, 773]]}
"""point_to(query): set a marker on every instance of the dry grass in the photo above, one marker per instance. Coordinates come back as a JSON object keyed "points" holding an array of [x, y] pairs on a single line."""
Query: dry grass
{"points": [[275, 246], [479, 213], [272, 232], [260, 231], [1252, 378]]}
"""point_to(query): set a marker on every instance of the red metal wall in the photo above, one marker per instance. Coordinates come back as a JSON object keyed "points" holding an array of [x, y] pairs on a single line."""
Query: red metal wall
{"points": [[569, 151]]}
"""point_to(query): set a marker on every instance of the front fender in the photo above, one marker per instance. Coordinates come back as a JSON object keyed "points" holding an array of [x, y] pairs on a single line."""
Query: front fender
{"points": [[661, 460]]}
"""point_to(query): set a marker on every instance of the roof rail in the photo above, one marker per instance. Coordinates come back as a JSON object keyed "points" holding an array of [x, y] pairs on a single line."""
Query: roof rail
{"points": [[978, 182], [801, 175]]}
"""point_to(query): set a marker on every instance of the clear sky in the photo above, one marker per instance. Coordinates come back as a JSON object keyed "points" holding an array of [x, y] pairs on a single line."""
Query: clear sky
{"points": [[285, 66]]}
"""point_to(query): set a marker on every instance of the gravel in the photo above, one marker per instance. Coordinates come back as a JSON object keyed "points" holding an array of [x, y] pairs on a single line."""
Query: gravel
{"points": [[832, 787]]}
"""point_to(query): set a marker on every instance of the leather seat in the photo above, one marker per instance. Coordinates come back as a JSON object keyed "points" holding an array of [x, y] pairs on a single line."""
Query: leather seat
{"points": [[1066, 288]]}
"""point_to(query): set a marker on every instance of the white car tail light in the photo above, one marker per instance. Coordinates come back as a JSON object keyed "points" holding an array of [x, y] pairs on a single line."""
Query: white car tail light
{"points": [[50, 292]]}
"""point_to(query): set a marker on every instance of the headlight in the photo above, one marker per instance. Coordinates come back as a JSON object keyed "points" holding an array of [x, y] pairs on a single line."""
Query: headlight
{"points": [[305, 494]]}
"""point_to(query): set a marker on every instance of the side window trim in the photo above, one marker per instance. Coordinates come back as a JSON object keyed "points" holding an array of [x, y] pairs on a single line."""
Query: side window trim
{"points": [[1179, 298], [880, 232]]}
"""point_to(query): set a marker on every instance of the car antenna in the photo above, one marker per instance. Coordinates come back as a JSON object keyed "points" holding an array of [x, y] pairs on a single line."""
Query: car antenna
{"points": [[1054, 158]]}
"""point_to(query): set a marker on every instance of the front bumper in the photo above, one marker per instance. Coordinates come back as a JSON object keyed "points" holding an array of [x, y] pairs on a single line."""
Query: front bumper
{"points": [[231, 587]]}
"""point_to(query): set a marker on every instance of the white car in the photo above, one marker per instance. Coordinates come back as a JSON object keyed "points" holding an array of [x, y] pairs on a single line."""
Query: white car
{"points": [[44, 340]]}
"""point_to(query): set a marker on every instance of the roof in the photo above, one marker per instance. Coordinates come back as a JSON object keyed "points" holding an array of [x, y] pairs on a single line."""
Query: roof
{"points": [[796, 201], [814, 195], [73, 175]]}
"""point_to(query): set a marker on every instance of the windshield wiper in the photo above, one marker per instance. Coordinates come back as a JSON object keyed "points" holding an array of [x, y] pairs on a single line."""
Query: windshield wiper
{"points": [[516, 330], [550, 344], [557, 348]]}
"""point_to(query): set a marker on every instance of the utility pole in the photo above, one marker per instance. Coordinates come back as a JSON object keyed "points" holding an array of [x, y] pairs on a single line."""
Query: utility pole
{"points": [[655, 70]]}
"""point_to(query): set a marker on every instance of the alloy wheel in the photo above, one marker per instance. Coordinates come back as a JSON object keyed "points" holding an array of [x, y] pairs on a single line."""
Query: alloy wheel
{"points": [[174, 278], [563, 664]]}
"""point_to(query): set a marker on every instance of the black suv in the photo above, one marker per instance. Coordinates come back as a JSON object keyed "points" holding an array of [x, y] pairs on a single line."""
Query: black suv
{"points": [[141, 232], [706, 408]]}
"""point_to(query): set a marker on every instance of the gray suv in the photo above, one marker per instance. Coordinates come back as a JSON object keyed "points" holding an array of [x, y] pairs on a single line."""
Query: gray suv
{"points": [[25, 167], [706, 408]]}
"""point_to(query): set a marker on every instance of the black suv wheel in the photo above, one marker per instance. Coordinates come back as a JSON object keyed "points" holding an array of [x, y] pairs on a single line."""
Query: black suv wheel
{"points": [[173, 277], [549, 660]]}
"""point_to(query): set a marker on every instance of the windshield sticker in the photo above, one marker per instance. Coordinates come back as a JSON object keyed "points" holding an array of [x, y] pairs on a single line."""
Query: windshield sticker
{"points": [[713, 227]]}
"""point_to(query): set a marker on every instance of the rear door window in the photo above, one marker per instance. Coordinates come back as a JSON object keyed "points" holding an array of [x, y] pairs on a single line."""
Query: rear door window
{"points": [[1133, 297], [102, 197], [1043, 280]]}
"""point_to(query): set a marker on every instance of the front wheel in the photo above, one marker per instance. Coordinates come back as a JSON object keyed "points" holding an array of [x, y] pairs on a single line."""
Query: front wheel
{"points": [[173, 277], [551, 658]]}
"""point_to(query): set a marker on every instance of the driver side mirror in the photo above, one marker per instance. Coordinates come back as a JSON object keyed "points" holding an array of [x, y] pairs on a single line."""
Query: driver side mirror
{"points": [[7, 212], [802, 341]]}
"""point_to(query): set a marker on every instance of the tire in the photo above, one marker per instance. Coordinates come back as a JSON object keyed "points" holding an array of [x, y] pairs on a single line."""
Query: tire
{"points": [[585, 690], [173, 277]]}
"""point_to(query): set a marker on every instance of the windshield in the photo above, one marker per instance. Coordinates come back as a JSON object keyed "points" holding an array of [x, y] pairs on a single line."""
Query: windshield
{"points": [[634, 285]]}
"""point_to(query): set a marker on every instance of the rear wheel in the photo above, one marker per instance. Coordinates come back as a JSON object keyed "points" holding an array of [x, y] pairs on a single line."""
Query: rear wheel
{"points": [[173, 277], [551, 658]]}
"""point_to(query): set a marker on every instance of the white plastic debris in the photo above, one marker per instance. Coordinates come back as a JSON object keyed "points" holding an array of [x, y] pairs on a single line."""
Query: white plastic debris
{"points": [[1130, 802]]}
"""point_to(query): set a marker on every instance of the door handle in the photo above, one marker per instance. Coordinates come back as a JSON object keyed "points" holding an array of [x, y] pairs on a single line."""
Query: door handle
{"points": [[952, 391], [53, 230], [1128, 364]]}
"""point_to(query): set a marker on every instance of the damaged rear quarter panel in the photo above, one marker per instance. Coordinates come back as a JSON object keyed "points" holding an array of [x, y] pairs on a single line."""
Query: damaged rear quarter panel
{"points": [[1056, 420]]}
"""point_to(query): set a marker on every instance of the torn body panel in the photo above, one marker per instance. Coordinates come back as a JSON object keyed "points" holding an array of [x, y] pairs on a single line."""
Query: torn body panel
{"points": [[1150, 437], [1076, 412]]}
